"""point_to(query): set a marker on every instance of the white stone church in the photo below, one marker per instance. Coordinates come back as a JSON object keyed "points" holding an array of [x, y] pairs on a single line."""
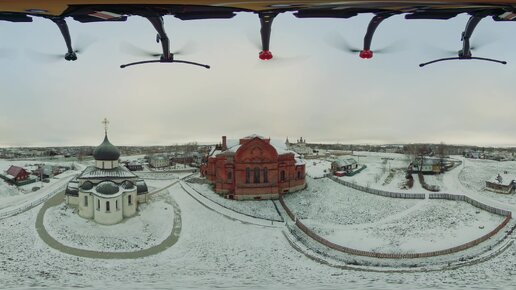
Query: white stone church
{"points": [[106, 192]]}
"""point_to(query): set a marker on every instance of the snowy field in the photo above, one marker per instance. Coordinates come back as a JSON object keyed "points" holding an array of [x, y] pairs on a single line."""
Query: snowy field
{"points": [[475, 172], [152, 224], [434, 225], [257, 208], [317, 168], [326, 201], [216, 252]]}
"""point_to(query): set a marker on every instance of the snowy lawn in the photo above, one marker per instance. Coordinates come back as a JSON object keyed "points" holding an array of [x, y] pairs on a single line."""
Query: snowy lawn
{"points": [[474, 173], [435, 225], [385, 171], [317, 168], [152, 224], [326, 201], [257, 208]]}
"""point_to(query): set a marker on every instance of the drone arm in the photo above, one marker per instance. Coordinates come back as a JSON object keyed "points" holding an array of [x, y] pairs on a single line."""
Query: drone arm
{"points": [[63, 27], [266, 26], [157, 22], [371, 28], [468, 31]]}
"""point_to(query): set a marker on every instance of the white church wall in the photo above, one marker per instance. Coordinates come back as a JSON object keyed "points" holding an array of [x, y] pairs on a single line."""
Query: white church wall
{"points": [[71, 200], [130, 208], [86, 205], [102, 215]]}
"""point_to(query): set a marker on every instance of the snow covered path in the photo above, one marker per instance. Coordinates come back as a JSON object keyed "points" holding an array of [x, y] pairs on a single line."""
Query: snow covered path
{"points": [[226, 212], [53, 243]]}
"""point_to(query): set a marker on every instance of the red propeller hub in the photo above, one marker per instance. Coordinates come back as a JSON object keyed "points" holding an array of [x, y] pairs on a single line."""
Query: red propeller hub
{"points": [[265, 55], [366, 54]]}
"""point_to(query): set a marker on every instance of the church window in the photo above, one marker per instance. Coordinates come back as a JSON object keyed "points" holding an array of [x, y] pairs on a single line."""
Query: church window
{"points": [[107, 206], [129, 199], [98, 204], [247, 175], [85, 200], [256, 175], [265, 175], [282, 175]]}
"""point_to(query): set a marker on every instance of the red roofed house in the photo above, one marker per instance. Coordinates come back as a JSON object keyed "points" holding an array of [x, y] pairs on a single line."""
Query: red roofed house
{"points": [[17, 173], [253, 168]]}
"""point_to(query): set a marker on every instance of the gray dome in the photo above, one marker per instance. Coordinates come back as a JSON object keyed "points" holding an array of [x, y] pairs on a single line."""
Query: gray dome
{"points": [[107, 188], [127, 185], [106, 151], [87, 185]]}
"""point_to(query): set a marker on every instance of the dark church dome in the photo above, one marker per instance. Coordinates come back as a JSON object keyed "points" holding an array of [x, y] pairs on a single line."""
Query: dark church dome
{"points": [[107, 188], [106, 151]]}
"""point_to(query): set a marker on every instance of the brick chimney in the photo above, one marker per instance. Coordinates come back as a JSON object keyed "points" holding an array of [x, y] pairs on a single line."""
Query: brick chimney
{"points": [[224, 144]]}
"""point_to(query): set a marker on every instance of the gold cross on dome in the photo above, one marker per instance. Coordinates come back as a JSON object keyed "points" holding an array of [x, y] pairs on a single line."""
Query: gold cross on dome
{"points": [[106, 123]]}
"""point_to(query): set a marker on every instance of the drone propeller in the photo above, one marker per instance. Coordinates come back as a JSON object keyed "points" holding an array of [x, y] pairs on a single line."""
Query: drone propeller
{"points": [[166, 56], [338, 42], [83, 44], [132, 49], [465, 52], [277, 59]]}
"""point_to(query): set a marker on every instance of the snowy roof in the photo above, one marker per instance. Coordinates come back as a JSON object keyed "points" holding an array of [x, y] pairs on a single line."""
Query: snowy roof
{"points": [[345, 161], [253, 136], [92, 172], [234, 145], [503, 179]]}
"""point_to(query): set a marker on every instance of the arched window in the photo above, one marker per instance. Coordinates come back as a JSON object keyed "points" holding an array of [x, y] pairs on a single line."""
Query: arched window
{"points": [[265, 175], [85, 200], [256, 175], [116, 204], [248, 175], [299, 175], [129, 199], [282, 175], [98, 204], [230, 176], [107, 206]]}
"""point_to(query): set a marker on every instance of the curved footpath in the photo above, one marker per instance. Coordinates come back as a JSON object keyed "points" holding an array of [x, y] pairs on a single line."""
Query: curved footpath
{"points": [[53, 243]]}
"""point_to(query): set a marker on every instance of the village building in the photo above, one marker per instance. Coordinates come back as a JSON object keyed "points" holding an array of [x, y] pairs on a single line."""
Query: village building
{"points": [[426, 166], [106, 192], [134, 166], [342, 166], [17, 175], [502, 183], [299, 147], [159, 161], [254, 168]]}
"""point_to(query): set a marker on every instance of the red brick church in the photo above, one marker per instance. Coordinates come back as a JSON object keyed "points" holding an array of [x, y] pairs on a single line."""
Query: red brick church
{"points": [[253, 168]]}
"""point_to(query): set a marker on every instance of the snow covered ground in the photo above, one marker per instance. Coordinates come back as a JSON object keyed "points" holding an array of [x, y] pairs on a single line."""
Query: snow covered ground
{"points": [[326, 201], [317, 168], [152, 224], [257, 208], [474, 173], [216, 251]]}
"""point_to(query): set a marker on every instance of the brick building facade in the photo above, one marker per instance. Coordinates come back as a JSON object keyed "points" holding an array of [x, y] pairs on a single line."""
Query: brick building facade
{"points": [[253, 168]]}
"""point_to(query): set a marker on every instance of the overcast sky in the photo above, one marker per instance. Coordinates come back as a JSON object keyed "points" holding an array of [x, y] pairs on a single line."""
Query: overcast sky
{"points": [[312, 90]]}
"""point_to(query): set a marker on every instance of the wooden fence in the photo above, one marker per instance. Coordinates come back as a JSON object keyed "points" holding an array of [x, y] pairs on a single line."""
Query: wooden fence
{"points": [[377, 191], [351, 251]]}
